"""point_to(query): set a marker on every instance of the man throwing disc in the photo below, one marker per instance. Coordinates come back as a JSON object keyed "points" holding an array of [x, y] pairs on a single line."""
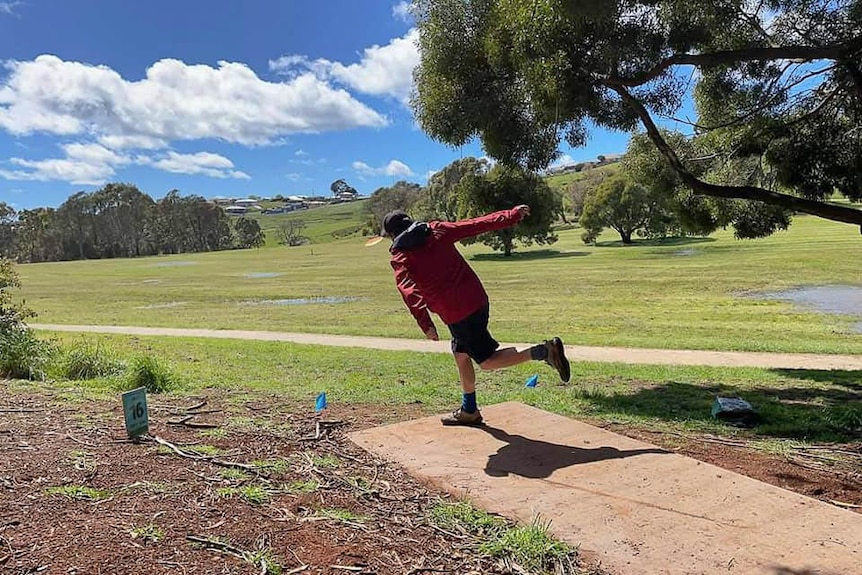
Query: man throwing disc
{"points": [[432, 276]]}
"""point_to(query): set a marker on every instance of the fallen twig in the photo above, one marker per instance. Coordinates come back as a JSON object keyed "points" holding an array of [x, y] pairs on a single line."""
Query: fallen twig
{"points": [[845, 505], [213, 460], [219, 546], [192, 424], [21, 410], [78, 441]]}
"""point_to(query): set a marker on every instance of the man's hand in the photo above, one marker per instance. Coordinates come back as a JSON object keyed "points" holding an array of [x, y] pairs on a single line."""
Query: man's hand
{"points": [[432, 334], [523, 211]]}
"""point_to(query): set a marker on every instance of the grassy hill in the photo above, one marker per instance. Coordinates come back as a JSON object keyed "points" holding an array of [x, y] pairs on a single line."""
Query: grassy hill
{"points": [[561, 181], [323, 224]]}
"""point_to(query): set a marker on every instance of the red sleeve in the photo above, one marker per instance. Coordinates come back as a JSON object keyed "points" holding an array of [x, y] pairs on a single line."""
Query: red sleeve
{"points": [[411, 296], [457, 231]]}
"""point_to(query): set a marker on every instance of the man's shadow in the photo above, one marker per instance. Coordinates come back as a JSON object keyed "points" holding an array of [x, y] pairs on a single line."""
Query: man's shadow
{"points": [[539, 459]]}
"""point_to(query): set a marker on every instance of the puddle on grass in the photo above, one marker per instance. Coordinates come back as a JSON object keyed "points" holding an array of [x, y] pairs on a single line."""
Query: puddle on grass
{"points": [[261, 275], [834, 299], [686, 252], [162, 305], [303, 301]]}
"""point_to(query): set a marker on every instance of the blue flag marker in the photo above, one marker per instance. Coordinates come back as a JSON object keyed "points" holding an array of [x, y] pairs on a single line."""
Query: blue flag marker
{"points": [[321, 402], [533, 381]]}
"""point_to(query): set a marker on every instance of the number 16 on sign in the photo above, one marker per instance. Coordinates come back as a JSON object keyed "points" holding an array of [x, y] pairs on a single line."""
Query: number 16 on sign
{"points": [[135, 410]]}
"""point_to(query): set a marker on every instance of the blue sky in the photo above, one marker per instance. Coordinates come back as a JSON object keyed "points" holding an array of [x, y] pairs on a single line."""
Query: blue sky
{"points": [[213, 98]]}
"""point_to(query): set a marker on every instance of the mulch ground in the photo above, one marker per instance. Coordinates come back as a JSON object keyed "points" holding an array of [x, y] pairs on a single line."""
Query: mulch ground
{"points": [[319, 505]]}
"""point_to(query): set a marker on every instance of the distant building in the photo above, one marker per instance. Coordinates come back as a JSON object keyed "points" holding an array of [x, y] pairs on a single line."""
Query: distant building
{"points": [[236, 210]]}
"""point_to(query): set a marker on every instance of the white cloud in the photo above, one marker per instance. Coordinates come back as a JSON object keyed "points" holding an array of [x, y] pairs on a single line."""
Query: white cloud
{"points": [[300, 153], [9, 8], [401, 11], [564, 160], [94, 164], [175, 101], [84, 164], [430, 173], [382, 71], [294, 176], [393, 168], [201, 163]]}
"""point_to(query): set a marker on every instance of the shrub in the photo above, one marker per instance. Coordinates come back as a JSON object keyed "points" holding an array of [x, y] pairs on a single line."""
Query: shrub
{"points": [[89, 361], [152, 374], [23, 355]]}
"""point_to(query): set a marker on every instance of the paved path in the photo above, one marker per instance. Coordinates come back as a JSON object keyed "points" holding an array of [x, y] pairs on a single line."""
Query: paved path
{"points": [[575, 353], [639, 509]]}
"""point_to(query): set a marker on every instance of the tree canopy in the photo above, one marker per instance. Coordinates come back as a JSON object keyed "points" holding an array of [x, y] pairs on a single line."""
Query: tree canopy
{"points": [[777, 88]]}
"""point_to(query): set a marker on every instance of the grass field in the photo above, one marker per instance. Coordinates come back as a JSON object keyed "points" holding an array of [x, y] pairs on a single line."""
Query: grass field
{"points": [[797, 404], [675, 294]]}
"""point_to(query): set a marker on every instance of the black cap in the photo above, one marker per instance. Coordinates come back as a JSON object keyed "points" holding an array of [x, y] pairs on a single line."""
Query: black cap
{"points": [[394, 223]]}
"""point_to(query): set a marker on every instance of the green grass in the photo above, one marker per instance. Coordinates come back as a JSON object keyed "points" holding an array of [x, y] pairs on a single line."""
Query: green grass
{"points": [[272, 466], [253, 494], [84, 360], [149, 533], [803, 405], [302, 487], [532, 547], [152, 374], [646, 295]]}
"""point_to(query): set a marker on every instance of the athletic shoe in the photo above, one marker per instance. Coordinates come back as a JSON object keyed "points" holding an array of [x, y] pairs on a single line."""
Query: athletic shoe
{"points": [[557, 358], [461, 417]]}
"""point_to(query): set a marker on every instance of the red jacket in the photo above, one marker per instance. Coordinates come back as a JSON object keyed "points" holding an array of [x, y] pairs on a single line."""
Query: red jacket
{"points": [[432, 275]]}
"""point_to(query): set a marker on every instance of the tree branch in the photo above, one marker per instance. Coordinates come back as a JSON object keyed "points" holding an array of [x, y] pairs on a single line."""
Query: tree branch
{"points": [[760, 53], [821, 209]]}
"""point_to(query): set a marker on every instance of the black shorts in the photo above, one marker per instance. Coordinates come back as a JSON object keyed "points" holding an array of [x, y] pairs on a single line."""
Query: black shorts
{"points": [[471, 336]]}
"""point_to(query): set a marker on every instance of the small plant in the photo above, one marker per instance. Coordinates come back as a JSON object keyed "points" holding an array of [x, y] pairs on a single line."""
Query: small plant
{"points": [[79, 492], [82, 460], [272, 466], [462, 516], [148, 533], [845, 418], [326, 461], [265, 560], [232, 474], [302, 487], [530, 546], [150, 373], [253, 494], [217, 433], [89, 361], [204, 449]]}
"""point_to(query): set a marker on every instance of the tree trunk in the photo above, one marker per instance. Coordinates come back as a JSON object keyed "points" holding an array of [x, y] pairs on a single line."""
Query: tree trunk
{"points": [[626, 235]]}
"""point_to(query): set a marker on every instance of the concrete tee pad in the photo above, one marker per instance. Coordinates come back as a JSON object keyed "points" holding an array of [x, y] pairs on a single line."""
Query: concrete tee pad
{"points": [[639, 509]]}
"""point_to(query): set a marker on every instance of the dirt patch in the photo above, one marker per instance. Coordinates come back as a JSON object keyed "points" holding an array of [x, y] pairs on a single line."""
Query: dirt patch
{"points": [[76, 497], [829, 482]]}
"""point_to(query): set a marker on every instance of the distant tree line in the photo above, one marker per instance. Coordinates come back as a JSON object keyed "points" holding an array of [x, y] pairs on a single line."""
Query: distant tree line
{"points": [[119, 221]]}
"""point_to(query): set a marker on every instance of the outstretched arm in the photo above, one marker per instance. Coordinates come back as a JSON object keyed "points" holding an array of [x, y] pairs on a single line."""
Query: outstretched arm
{"points": [[463, 229], [413, 299]]}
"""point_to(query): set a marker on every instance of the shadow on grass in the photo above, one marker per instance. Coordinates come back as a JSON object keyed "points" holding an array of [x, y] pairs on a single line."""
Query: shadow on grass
{"points": [[527, 256], [658, 242], [792, 412], [539, 459]]}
